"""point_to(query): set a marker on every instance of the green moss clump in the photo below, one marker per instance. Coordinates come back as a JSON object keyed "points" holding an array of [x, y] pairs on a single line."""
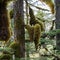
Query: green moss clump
{"points": [[34, 33], [33, 20], [37, 32], [41, 24], [30, 30]]}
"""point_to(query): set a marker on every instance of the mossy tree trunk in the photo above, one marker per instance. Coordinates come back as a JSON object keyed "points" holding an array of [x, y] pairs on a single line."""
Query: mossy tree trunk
{"points": [[57, 2], [19, 31], [4, 22]]}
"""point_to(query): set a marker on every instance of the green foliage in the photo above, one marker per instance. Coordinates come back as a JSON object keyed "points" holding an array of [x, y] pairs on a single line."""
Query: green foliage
{"points": [[51, 33], [40, 15], [15, 46], [6, 50], [5, 57], [47, 41]]}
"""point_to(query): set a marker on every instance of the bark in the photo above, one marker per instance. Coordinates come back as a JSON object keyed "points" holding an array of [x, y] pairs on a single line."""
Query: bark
{"points": [[19, 31], [57, 2]]}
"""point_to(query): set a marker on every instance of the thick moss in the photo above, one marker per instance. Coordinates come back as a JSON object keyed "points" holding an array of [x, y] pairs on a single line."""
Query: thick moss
{"points": [[41, 24], [33, 20], [34, 33], [37, 32], [30, 30]]}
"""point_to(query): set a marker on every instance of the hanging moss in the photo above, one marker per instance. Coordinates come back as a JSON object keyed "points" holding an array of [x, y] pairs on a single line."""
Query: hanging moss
{"points": [[33, 20], [30, 30], [32, 17], [37, 32], [50, 4], [41, 24], [34, 33]]}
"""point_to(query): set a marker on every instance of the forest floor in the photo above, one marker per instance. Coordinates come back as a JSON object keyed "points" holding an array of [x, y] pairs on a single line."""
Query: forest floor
{"points": [[32, 54]]}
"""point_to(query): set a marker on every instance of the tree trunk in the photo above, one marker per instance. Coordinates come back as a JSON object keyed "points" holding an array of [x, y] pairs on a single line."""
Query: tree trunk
{"points": [[19, 31], [57, 2], [4, 22]]}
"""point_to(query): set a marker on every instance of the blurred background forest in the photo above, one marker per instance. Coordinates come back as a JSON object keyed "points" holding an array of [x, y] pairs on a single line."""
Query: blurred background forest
{"points": [[29, 30]]}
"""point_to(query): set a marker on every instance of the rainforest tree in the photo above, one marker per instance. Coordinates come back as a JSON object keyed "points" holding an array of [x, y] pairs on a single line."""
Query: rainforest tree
{"points": [[19, 26]]}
